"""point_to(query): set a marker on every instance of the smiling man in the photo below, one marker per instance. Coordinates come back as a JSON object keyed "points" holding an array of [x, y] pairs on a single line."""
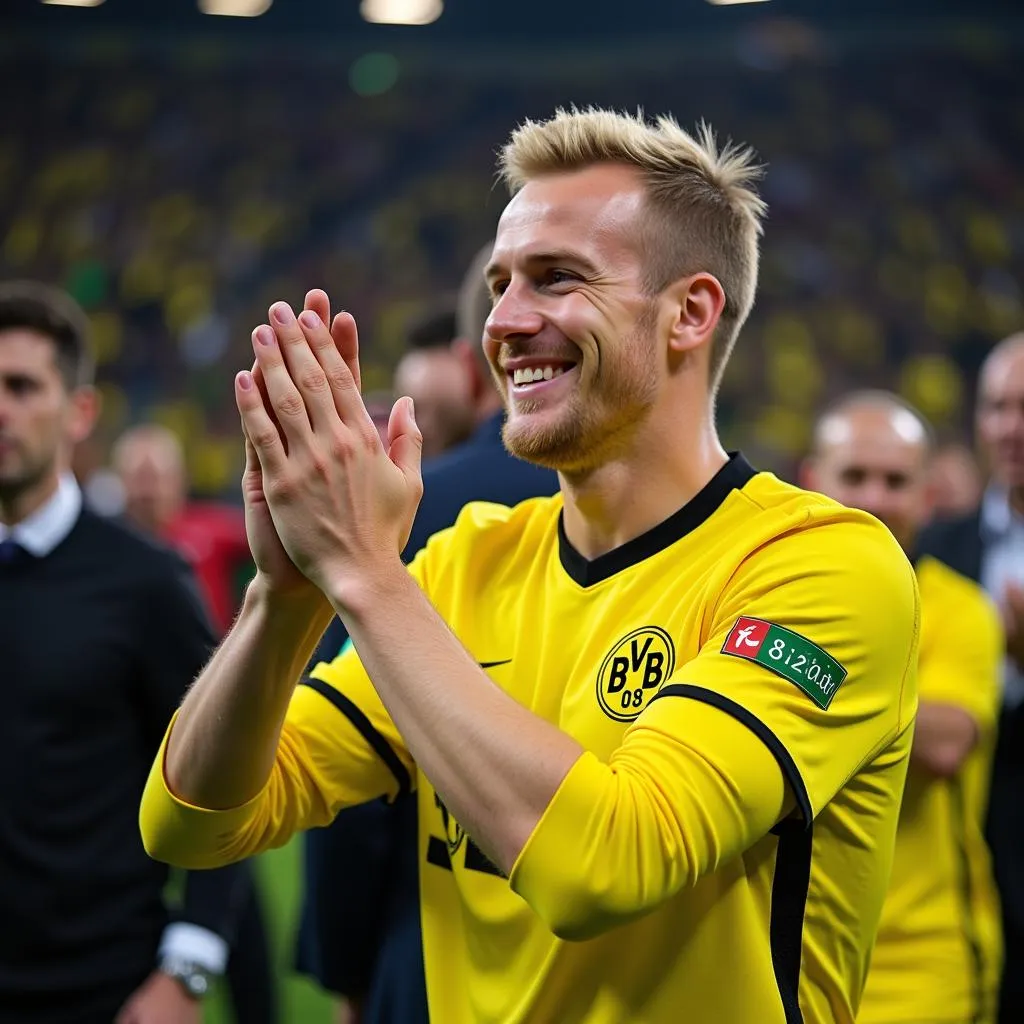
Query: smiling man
{"points": [[939, 947], [658, 724]]}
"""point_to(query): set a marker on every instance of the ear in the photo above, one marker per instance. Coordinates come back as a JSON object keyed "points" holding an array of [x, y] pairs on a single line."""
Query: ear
{"points": [[698, 302], [470, 362], [85, 410], [807, 475], [929, 494]]}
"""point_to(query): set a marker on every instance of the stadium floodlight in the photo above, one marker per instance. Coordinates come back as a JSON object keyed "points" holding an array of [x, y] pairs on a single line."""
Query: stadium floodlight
{"points": [[73, 3], [401, 12], [235, 8]]}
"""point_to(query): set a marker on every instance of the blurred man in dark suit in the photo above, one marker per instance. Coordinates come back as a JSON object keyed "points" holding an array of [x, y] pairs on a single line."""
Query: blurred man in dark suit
{"points": [[988, 545], [101, 633]]}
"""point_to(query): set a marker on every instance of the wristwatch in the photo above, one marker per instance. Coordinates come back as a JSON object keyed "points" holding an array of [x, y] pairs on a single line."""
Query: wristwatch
{"points": [[195, 980]]}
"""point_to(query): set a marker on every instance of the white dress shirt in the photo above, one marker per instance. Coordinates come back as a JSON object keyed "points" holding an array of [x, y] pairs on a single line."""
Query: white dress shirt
{"points": [[1002, 562]]}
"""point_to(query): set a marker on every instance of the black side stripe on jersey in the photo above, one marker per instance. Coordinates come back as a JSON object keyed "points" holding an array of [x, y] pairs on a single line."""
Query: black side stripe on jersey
{"points": [[760, 730], [383, 749], [789, 900], [980, 1011], [792, 856]]}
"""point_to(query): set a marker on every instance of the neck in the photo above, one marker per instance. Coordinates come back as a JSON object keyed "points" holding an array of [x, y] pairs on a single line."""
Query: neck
{"points": [[1016, 499], [620, 500], [14, 508], [489, 404]]}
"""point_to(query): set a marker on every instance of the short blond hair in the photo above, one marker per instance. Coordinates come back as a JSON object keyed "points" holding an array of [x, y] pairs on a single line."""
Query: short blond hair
{"points": [[703, 212]]}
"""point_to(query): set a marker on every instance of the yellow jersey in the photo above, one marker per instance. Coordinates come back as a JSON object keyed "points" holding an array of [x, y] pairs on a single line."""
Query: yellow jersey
{"points": [[759, 626], [939, 949]]}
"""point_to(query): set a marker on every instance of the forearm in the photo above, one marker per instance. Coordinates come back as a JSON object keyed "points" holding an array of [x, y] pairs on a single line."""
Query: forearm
{"points": [[222, 748], [943, 737], [495, 764]]}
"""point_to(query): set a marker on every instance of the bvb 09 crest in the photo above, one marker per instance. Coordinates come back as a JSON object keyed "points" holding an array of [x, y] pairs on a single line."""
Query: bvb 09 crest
{"points": [[633, 671]]}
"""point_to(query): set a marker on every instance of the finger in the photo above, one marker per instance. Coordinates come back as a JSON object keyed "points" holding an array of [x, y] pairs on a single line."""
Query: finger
{"points": [[318, 302], [347, 400], [346, 339], [259, 428], [405, 442], [261, 384], [299, 379]]}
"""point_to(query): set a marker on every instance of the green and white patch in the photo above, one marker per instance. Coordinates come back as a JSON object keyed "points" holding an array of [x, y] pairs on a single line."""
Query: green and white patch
{"points": [[787, 654]]}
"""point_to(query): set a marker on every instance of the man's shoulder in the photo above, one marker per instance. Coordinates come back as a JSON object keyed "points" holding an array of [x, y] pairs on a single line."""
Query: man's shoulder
{"points": [[954, 541], [120, 546], [486, 534], [806, 520], [485, 472], [953, 596], [476, 472]]}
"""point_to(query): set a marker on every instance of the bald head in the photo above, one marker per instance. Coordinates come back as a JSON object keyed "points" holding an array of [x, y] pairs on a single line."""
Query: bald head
{"points": [[150, 463], [1000, 415], [872, 451]]}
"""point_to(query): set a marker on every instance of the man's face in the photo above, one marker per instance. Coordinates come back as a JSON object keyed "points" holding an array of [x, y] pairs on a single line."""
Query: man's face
{"points": [[39, 419], [572, 337], [876, 459], [436, 381], [1000, 417], [155, 488]]}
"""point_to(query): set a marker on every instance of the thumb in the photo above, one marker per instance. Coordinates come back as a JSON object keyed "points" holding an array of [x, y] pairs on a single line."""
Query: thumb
{"points": [[405, 442]]}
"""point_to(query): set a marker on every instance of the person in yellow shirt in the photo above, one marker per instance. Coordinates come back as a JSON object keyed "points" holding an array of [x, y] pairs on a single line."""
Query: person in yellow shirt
{"points": [[658, 724], [938, 953]]}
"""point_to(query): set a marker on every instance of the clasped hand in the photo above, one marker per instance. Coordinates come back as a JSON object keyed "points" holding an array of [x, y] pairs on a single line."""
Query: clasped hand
{"points": [[325, 502]]}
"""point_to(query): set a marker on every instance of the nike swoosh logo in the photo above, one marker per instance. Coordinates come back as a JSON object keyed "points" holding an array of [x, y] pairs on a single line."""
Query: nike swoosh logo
{"points": [[495, 664]]}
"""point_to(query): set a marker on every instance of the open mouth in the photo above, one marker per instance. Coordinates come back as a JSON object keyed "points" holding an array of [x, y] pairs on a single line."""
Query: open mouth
{"points": [[536, 375]]}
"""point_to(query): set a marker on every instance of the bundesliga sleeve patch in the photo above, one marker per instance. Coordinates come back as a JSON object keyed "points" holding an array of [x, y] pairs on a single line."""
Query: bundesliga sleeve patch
{"points": [[787, 654]]}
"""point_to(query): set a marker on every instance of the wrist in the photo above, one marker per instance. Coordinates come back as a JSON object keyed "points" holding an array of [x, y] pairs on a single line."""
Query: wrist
{"points": [[358, 597], [193, 979], [299, 604]]}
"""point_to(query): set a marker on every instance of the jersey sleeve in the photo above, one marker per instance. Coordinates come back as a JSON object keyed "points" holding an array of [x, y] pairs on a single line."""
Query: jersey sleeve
{"points": [[813, 646], [737, 738], [964, 660], [338, 747]]}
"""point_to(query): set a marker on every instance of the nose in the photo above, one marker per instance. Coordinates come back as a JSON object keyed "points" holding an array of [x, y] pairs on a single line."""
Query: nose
{"points": [[515, 314]]}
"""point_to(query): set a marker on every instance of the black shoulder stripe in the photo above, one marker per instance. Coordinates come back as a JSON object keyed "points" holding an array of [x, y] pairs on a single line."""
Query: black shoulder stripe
{"points": [[789, 903], [383, 749], [756, 726]]}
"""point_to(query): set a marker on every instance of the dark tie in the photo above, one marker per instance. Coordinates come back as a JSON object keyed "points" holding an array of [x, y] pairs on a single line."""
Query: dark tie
{"points": [[12, 553]]}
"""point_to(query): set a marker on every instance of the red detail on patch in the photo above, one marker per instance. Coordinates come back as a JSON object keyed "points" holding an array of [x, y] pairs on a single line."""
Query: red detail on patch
{"points": [[746, 637]]}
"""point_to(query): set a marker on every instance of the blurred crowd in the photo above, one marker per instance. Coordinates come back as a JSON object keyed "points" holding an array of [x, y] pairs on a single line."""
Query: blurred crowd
{"points": [[177, 194]]}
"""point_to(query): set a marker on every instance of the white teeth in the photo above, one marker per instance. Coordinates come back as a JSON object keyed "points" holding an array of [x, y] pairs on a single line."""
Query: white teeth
{"points": [[531, 374]]}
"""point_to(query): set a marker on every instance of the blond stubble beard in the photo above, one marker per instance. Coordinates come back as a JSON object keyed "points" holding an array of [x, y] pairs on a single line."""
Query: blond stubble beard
{"points": [[587, 434]]}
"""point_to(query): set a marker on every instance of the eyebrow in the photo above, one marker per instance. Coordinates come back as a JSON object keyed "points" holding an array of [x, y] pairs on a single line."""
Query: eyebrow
{"points": [[546, 258]]}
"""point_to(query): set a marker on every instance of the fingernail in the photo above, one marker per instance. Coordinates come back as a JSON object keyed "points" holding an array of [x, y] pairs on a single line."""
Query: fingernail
{"points": [[264, 335], [309, 319], [282, 312], [245, 380]]}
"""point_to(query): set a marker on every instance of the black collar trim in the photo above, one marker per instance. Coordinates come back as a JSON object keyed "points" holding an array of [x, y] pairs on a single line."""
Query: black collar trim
{"points": [[734, 475]]}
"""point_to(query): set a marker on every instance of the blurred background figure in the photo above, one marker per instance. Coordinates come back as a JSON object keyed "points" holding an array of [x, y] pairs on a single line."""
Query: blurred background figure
{"points": [[101, 632], [378, 405], [431, 375], [988, 545], [150, 464], [210, 536], [939, 949], [956, 480]]}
